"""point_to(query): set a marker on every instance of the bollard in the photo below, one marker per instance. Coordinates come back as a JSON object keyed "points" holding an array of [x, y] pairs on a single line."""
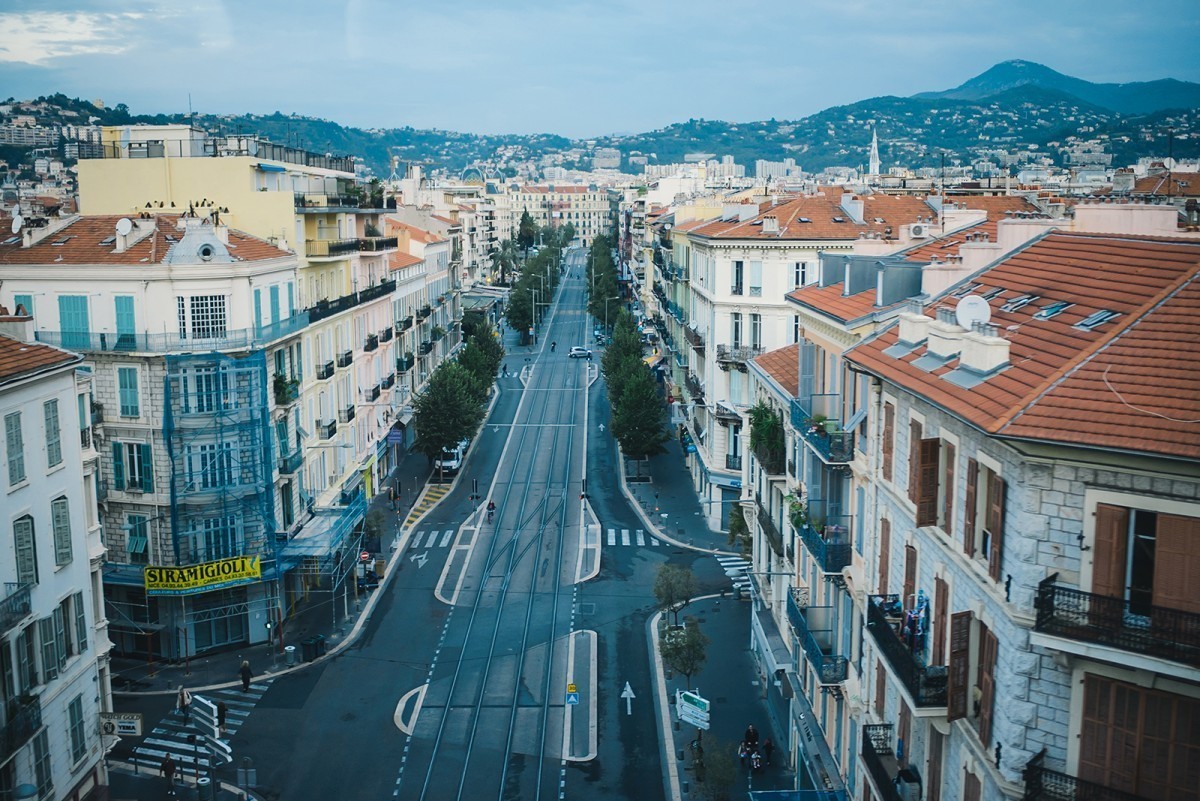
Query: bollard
{"points": [[679, 754], [684, 786]]}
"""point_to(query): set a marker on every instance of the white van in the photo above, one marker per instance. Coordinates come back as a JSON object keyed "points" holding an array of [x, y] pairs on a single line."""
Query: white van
{"points": [[452, 458]]}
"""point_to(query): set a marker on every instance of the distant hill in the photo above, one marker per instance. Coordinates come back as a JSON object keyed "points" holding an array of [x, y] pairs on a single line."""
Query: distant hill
{"points": [[1126, 98]]}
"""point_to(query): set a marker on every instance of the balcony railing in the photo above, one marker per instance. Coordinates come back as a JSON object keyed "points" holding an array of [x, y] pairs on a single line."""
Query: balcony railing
{"points": [[879, 755], [313, 200], [817, 420], [386, 334], [770, 530], [327, 430], [370, 343], [379, 290], [346, 415], [426, 348], [377, 244], [827, 539], [85, 438], [404, 325], [217, 339], [388, 381], [424, 312], [772, 461], [926, 684], [733, 462], [15, 605], [1156, 631], [737, 354], [374, 392], [1043, 784], [329, 248], [814, 629], [404, 364], [24, 719], [694, 338], [345, 358], [694, 388], [324, 371], [290, 463]]}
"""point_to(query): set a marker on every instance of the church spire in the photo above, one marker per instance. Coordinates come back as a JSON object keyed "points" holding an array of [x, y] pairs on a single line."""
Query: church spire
{"points": [[874, 167]]}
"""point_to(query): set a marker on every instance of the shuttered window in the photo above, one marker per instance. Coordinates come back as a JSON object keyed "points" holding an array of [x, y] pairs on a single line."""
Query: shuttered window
{"points": [[1108, 563], [948, 457], [1177, 563], [941, 600], [81, 627], [914, 460], [970, 509], [889, 436], [14, 443], [927, 482], [49, 648], [885, 546], [53, 433], [904, 731], [971, 787], [994, 523], [958, 677], [910, 577], [934, 784], [127, 390], [60, 517], [880, 689], [986, 682], [26, 549]]}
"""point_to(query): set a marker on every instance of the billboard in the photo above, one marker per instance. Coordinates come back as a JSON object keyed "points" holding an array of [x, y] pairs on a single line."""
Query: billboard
{"points": [[202, 577]]}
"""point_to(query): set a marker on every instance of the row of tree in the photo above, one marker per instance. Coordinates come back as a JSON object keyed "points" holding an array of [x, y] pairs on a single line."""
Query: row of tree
{"points": [[539, 276]]}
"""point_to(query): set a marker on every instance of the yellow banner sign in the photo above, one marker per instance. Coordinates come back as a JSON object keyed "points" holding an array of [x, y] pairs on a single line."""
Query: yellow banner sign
{"points": [[202, 577]]}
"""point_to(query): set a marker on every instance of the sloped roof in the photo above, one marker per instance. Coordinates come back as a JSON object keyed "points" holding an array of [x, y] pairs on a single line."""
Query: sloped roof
{"points": [[86, 241], [1053, 388], [826, 219], [415, 233], [20, 359], [783, 365], [399, 260]]}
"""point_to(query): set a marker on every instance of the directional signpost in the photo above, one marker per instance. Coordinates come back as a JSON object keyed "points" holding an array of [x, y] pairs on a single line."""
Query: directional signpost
{"points": [[691, 708], [204, 712]]}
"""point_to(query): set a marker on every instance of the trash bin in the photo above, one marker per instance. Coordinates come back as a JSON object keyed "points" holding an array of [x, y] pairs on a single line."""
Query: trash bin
{"points": [[319, 643], [289, 655], [309, 649], [204, 789]]}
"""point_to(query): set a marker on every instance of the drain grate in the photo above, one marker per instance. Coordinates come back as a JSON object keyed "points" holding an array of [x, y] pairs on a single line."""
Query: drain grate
{"points": [[587, 609]]}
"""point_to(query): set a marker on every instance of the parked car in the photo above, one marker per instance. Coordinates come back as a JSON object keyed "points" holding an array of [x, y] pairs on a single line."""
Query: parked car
{"points": [[452, 458], [579, 352]]}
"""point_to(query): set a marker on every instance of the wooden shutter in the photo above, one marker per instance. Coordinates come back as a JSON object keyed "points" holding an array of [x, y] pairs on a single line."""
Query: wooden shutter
{"points": [[995, 523], [1112, 538], [1177, 563], [971, 786], [147, 468], [987, 683], [60, 519], [958, 677], [948, 452], [941, 600], [910, 576], [885, 547], [889, 437], [927, 482], [914, 459], [880, 688], [904, 731], [26, 550], [118, 466], [969, 507], [933, 787]]}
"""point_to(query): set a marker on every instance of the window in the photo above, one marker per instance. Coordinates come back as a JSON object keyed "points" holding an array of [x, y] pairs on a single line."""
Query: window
{"points": [[985, 493], [736, 324], [15, 444], [1147, 559], [127, 390], [889, 433], [799, 274], [27, 667], [26, 548], [126, 323], [50, 658], [985, 683], [81, 626], [206, 390], [137, 539], [947, 487], [738, 277], [756, 279], [53, 433], [25, 301], [934, 772], [756, 330], [60, 517], [885, 557], [210, 466], [972, 790], [202, 317], [133, 467], [75, 729], [41, 763], [795, 328]]}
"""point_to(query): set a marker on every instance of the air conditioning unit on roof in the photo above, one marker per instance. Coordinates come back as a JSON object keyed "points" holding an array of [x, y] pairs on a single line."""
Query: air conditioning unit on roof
{"points": [[918, 230]]}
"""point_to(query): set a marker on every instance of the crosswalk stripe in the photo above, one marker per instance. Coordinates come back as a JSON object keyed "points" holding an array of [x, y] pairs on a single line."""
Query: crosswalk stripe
{"points": [[446, 538], [612, 537], [170, 735], [624, 536], [655, 542], [641, 539]]}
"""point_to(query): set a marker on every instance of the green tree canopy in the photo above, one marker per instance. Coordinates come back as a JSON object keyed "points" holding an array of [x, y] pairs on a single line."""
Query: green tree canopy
{"points": [[684, 650], [526, 232], [640, 418], [449, 410], [674, 588]]}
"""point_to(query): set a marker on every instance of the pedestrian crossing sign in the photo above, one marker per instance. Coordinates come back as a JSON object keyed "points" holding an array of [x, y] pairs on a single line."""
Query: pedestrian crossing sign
{"points": [[572, 699], [571, 688]]}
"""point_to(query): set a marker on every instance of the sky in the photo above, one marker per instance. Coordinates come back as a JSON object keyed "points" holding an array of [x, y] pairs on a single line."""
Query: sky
{"points": [[578, 68]]}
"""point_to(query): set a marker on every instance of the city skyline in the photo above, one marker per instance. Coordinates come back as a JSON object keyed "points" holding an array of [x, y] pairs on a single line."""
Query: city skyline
{"points": [[477, 68]]}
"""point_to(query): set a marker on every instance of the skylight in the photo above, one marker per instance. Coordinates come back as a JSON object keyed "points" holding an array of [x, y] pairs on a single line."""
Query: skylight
{"points": [[839, 219], [1053, 310], [61, 242], [12, 240], [108, 241], [1093, 321], [1019, 303], [993, 293], [966, 289], [804, 220]]}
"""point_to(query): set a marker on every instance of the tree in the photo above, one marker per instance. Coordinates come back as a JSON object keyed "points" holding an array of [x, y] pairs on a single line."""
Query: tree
{"points": [[526, 232], [767, 438], [719, 773], [639, 420], [674, 588], [683, 649], [449, 410], [739, 530]]}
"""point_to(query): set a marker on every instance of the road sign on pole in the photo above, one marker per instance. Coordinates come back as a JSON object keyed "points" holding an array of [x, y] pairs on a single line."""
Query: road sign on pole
{"points": [[691, 708], [204, 712]]}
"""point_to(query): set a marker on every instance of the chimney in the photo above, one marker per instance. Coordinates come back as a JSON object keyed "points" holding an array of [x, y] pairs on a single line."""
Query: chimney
{"points": [[17, 325], [853, 206], [770, 224], [914, 326], [1123, 181], [945, 334], [983, 351]]}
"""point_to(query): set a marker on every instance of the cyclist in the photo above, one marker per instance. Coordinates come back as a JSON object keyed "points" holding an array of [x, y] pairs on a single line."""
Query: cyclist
{"points": [[491, 510], [553, 345]]}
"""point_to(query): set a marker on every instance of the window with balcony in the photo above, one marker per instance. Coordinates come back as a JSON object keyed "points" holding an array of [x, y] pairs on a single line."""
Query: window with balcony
{"points": [[1147, 559], [737, 278], [983, 517], [201, 317], [970, 680]]}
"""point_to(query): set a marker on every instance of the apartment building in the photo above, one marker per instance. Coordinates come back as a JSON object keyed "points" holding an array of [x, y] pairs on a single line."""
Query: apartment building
{"points": [[587, 208], [54, 645]]}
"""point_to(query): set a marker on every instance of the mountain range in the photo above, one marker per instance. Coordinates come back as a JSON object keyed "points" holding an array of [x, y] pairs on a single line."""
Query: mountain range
{"points": [[1014, 112]]}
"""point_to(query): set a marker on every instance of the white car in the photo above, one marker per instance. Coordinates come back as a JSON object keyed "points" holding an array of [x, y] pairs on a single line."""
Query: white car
{"points": [[452, 458], [579, 352]]}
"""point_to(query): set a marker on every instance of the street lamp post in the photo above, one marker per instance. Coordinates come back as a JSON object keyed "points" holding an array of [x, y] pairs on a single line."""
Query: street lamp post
{"points": [[606, 300]]}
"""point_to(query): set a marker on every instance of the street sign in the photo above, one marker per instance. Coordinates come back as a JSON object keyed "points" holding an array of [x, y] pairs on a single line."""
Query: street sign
{"points": [[218, 750], [204, 712], [685, 698], [365, 556], [572, 699], [571, 688], [690, 716], [127, 724], [691, 708]]}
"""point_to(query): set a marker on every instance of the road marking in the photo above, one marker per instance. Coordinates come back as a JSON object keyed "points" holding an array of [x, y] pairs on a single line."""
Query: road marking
{"points": [[624, 536], [406, 726], [420, 559], [641, 540], [449, 535]]}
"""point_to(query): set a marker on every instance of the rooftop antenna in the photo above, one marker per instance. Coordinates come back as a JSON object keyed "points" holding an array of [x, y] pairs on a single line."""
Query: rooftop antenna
{"points": [[971, 310], [17, 222]]}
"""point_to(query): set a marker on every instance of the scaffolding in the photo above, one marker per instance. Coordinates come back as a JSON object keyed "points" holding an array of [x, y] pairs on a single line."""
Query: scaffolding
{"points": [[324, 554]]}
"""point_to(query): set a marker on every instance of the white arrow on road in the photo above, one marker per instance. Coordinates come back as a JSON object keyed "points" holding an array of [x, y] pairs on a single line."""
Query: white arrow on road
{"points": [[419, 558], [602, 426], [628, 695]]}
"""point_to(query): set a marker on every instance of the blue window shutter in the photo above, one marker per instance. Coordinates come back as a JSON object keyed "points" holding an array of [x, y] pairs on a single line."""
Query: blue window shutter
{"points": [[258, 309], [147, 468], [126, 323], [73, 320], [23, 300], [127, 388], [291, 299], [274, 299], [118, 467]]}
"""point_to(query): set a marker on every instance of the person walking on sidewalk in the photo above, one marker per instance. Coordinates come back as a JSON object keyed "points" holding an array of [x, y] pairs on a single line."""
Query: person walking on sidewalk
{"points": [[168, 771], [768, 748], [182, 702], [223, 716], [245, 673], [751, 737]]}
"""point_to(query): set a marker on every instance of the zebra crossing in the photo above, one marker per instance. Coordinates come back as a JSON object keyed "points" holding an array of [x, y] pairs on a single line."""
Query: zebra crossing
{"points": [[170, 736], [637, 537], [737, 568], [432, 538]]}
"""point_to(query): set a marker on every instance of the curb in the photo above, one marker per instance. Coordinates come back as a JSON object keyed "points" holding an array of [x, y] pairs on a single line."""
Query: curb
{"points": [[128, 769], [652, 526]]}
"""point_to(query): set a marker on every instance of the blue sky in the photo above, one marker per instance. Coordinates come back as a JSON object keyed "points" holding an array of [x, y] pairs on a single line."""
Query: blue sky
{"points": [[572, 67]]}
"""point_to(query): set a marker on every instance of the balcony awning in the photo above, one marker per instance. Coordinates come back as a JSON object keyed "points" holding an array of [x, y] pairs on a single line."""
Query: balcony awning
{"points": [[814, 750], [654, 360], [766, 633], [270, 167]]}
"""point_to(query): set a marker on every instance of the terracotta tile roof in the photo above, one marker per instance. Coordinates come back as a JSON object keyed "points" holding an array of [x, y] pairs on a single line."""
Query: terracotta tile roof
{"points": [[395, 226], [399, 260], [1180, 184], [783, 365], [1054, 388], [948, 245], [85, 241], [823, 212], [995, 205], [20, 359], [829, 301], [442, 219]]}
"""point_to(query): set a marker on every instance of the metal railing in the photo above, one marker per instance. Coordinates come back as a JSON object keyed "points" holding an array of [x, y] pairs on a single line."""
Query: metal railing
{"points": [[738, 354], [404, 325], [291, 462], [24, 719], [377, 244], [830, 546], [817, 643], [424, 312], [15, 605], [404, 364], [225, 146], [320, 200], [346, 415], [694, 338], [733, 462], [823, 431], [770, 530], [771, 461], [327, 308], [329, 248], [386, 334], [327, 430], [879, 755], [388, 381], [926, 684], [324, 371], [1151, 630], [426, 348], [376, 291], [370, 343], [85, 438], [1043, 784], [694, 387], [226, 339], [374, 392], [345, 358]]}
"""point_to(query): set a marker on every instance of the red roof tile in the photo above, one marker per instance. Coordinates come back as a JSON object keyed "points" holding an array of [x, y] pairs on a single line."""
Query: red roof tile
{"points": [[783, 365], [880, 212], [20, 359], [399, 260], [1053, 388]]}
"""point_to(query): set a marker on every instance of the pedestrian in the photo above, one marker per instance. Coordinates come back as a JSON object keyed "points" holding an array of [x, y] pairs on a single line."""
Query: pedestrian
{"points": [[223, 715], [751, 737], [168, 771], [244, 672], [392, 496], [768, 748], [182, 702], [743, 752]]}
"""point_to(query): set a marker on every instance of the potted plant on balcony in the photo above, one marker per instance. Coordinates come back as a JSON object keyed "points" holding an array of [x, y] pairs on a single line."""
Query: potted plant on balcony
{"points": [[285, 388], [437, 333], [369, 229], [767, 437]]}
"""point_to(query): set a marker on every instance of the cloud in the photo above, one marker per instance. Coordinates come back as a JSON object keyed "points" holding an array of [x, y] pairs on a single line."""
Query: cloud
{"points": [[39, 37]]}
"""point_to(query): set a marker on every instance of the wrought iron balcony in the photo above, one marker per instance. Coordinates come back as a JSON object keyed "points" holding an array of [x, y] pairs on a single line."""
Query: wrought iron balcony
{"points": [[694, 388], [1139, 628], [386, 334], [85, 438], [925, 683], [97, 413], [370, 343], [15, 605], [377, 244], [1043, 784], [770, 530], [426, 348], [374, 392], [771, 461], [286, 390], [827, 539], [733, 462], [424, 312], [321, 201], [879, 755], [814, 629], [327, 308], [329, 248], [382, 289], [324, 371], [817, 420], [290, 463], [24, 718], [404, 325], [737, 354], [404, 363], [388, 381], [694, 338], [346, 415], [327, 430], [345, 359]]}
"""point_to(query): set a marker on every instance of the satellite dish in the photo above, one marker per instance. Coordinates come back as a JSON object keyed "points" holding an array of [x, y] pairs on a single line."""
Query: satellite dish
{"points": [[971, 310], [124, 226], [17, 222]]}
